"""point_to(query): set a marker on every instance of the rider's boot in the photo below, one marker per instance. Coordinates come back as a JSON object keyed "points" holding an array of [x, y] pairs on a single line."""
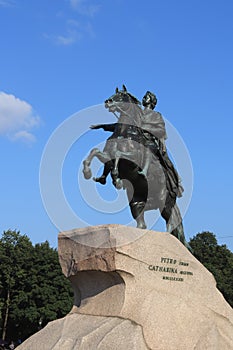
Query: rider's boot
{"points": [[103, 177], [137, 210]]}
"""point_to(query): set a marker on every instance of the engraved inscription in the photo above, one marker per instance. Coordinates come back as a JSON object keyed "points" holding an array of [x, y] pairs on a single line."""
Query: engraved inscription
{"points": [[172, 267], [173, 278]]}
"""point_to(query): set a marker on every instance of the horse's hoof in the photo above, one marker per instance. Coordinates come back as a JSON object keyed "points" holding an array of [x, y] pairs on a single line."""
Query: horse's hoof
{"points": [[188, 246], [87, 173], [141, 225]]}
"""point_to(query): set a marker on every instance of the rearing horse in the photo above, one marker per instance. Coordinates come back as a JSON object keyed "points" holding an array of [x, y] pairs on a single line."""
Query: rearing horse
{"points": [[128, 158]]}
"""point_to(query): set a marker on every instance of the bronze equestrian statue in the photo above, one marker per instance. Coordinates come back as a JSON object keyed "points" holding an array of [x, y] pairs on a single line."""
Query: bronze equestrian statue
{"points": [[136, 152]]}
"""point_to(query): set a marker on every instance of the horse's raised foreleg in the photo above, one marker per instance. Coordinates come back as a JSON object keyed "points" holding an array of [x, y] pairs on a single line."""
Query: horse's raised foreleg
{"points": [[102, 156]]}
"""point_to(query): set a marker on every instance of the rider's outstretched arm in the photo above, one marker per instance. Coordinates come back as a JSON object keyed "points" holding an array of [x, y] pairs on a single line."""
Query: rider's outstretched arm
{"points": [[106, 127]]}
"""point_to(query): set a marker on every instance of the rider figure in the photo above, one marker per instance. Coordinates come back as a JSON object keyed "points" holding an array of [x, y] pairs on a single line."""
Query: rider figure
{"points": [[154, 130]]}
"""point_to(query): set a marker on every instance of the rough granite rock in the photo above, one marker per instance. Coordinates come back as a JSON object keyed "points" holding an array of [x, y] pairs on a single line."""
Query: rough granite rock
{"points": [[135, 289]]}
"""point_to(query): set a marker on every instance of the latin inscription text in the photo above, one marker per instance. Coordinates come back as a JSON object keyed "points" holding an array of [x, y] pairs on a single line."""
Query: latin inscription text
{"points": [[171, 266]]}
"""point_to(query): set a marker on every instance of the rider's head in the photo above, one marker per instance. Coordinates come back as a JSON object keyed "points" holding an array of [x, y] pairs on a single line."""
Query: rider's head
{"points": [[149, 100]]}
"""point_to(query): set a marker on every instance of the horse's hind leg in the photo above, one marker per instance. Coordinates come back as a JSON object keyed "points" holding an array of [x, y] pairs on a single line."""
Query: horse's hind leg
{"points": [[172, 216], [137, 210]]}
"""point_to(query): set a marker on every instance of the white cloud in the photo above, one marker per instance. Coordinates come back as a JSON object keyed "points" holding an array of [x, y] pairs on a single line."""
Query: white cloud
{"points": [[24, 136], [69, 38], [7, 3], [65, 40], [75, 31], [17, 118], [84, 8]]}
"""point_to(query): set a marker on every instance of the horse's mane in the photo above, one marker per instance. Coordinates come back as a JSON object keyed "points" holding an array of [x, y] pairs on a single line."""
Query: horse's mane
{"points": [[133, 99]]}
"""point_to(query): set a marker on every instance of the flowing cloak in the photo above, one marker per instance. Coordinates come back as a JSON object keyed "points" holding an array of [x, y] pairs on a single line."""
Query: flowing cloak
{"points": [[153, 124]]}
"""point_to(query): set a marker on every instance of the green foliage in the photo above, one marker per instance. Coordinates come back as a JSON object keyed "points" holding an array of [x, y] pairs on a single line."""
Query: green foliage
{"points": [[218, 259], [32, 286]]}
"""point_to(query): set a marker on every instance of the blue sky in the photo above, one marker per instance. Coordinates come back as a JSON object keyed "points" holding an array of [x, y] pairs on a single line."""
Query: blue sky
{"points": [[62, 56]]}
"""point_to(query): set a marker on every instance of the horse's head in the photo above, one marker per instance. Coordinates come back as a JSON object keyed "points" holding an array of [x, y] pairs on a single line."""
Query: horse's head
{"points": [[120, 100]]}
